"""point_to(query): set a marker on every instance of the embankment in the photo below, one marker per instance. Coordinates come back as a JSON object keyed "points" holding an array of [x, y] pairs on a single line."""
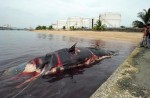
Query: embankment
{"points": [[130, 80]]}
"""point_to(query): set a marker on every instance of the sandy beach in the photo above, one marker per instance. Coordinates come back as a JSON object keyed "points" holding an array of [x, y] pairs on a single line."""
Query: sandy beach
{"points": [[134, 37]]}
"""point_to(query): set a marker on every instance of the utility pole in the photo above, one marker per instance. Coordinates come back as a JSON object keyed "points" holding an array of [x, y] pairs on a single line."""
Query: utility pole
{"points": [[92, 23], [99, 17]]}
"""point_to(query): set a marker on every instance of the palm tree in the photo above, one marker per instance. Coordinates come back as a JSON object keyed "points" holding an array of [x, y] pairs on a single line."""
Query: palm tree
{"points": [[145, 19], [98, 26]]}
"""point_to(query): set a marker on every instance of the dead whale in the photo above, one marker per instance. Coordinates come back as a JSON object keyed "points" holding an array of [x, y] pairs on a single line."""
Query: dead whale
{"points": [[58, 61]]}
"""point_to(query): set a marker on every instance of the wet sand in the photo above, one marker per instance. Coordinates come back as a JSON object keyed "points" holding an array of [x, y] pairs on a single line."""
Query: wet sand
{"points": [[134, 37]]}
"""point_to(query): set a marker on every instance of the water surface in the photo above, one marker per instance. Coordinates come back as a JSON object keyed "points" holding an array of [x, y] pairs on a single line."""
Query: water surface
{"points": [[17, 47]]}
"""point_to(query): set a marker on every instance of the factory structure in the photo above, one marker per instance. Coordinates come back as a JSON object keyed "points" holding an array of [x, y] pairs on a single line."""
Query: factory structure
{"points": [[111, 20], [76, 22], [5, 27]]}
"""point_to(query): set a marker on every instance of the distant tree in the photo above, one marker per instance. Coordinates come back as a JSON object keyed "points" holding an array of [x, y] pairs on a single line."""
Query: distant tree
{"points": [[138, 24], [43, 27], [38, 28], [98, 26], [64, 28], [72, 28], [103, 27], [145, 19], [122, 27], [82, 28], [50, 27]]}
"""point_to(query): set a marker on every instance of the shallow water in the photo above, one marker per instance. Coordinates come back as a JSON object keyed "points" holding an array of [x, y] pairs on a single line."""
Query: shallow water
{"points": [[17, 47]]}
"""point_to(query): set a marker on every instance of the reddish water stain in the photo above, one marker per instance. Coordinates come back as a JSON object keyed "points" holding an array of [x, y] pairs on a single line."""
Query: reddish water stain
{"points": [[21, 46]]}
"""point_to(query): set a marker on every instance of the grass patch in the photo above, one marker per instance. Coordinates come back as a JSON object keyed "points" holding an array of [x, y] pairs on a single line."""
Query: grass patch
{"points": [[129, 70], [135, 90]]}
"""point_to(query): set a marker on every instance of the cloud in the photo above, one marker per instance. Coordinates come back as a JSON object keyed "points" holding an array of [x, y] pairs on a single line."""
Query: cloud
{"points": [[26, 13]]}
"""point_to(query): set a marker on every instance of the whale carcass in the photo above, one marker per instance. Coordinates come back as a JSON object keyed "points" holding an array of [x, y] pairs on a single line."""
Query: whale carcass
{"points": [[58, 61]]}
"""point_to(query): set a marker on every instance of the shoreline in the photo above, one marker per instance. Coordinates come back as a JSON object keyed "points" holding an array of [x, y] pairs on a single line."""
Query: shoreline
{"points": [[129, 80], [133, 37]]}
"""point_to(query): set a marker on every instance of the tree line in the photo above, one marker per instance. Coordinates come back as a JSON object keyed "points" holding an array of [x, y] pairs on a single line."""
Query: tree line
{"points": [[44, 27]]}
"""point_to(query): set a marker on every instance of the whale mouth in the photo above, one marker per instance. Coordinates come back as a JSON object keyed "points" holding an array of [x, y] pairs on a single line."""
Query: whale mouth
{"points": [[12, 71]]}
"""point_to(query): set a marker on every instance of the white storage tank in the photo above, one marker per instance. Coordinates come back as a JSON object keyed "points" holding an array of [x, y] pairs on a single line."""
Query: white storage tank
{"points": [[54, 26], [111, 19], [74, 21], [95, 21], [78, 22], [87, 23], [60, 24]]}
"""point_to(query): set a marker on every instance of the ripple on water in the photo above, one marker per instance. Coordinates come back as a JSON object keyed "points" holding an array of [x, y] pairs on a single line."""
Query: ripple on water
{"points": [[20, 46]]}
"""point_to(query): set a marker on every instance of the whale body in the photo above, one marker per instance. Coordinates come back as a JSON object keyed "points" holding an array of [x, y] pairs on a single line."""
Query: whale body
{"points": [[60, 60]]}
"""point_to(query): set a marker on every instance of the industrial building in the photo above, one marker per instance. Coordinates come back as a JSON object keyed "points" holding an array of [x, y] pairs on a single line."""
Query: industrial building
{"points": [[5, 27], [111, 20], [78, 22]]}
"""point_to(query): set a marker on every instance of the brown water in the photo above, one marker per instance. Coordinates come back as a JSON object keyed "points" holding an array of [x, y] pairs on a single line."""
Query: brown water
{"points": [[17, 47]]}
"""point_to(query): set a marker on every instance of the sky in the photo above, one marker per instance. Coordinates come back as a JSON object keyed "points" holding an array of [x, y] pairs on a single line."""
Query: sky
{"points": [[31, 13]]}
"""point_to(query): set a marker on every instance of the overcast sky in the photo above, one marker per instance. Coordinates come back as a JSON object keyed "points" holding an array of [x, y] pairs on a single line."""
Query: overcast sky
{"points": [[30, 13]]}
